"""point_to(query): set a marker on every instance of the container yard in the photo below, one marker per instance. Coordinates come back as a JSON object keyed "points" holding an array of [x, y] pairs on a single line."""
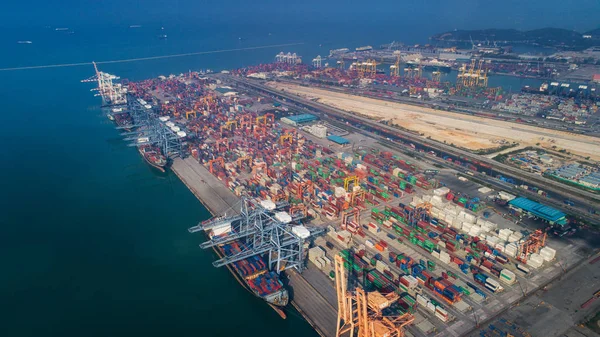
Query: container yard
{"points": [[327, 219]]}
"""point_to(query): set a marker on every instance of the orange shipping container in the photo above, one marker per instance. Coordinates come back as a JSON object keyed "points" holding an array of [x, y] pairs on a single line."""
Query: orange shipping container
{"points": [[379, 247]]}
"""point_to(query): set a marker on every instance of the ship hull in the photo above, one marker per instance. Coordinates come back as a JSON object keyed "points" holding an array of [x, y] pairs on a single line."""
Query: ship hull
{"points": [[443, 68], [161, 168], [253, 273], [244, 283]]}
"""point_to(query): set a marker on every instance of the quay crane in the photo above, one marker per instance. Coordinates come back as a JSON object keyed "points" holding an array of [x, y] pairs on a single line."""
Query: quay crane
{"points": [[395, 68], [266, 229], [317, 62], [111, 93]]}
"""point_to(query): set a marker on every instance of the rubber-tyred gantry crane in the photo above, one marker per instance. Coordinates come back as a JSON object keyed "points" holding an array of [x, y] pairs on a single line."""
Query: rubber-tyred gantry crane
{"points": [[212, 162], [532, 245]]}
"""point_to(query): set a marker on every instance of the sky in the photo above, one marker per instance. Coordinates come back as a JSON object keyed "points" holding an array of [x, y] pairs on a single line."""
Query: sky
{"points": [[581, 15]]}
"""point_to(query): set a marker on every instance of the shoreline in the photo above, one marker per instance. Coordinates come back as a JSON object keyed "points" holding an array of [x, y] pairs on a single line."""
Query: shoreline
{"points": [[213, 212], [304, 297]]}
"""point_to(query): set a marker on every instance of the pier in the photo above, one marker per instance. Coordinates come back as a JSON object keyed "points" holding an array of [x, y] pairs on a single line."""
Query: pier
{"points": [[318, 311]]}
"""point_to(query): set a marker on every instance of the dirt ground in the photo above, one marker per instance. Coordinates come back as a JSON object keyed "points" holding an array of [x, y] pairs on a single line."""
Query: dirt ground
{"points": [[465, 131]]}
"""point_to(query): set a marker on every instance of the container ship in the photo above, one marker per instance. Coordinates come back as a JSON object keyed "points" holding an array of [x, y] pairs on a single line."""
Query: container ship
{"points": [[123, 120], [364, 48], [153, 156], [430, 64], [253, 271]]}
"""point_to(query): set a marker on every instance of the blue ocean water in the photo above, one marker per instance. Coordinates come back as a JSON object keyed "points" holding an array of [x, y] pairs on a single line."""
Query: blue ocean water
{"points": [[94, 242]]}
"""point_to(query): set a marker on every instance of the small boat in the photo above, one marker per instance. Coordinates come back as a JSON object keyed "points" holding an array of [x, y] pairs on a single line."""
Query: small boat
{"points": [[24, 42]]}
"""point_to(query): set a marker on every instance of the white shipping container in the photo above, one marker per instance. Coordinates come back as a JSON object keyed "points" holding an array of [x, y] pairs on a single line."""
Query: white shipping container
{"points": [[422, 300], [441, 311], [507, 276], [548, 253], [322, 262], [381, 266], [441, 317], [430, 307]]}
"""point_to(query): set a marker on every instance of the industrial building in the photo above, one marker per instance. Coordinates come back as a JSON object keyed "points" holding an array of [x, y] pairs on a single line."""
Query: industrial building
{"points": [[338, 140], [317, 130], [297, 120], [553, 216]]}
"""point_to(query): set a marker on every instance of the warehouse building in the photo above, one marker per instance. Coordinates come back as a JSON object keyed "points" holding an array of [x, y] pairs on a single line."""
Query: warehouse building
{"points": [[524, 205], [338, 140], [316, 130], [297, 120]]}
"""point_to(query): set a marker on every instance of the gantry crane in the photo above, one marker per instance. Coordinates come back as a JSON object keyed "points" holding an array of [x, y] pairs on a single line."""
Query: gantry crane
{"points": [[350, 180], [395, 68], [190, 113], [304, 187], [244, 159], [436, 76], [261, 231], [357, 314], [534, 242], [353, 215], [261, 118], [286, 137], [270, 118], [229, 125], [299, 208], [258, 166], [245, 121], [222, 142], [418, 212], [357, 198], [211, 163], [474, 75]]}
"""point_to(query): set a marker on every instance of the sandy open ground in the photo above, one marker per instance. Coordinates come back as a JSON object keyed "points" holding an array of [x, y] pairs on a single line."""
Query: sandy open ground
{"points": [[465, 131]]}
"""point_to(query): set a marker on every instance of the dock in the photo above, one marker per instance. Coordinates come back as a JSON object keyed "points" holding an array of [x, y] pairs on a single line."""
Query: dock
{"points": [[318, 311], [211, 192]]}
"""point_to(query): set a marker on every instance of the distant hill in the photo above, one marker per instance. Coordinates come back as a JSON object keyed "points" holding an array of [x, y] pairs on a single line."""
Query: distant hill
{"points": [[594, 33], [553, 37]]}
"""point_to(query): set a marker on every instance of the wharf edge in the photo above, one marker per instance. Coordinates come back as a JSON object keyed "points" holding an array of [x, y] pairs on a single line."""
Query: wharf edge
{"points": [[178, 167]]}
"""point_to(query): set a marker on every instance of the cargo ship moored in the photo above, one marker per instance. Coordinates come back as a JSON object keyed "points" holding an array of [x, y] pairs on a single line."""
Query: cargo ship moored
{"points": [[153, 156], [252, 271]]}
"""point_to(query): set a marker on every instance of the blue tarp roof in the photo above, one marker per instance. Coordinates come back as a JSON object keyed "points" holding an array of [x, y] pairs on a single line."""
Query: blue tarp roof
{"points": [[338, 139], [302, 118], [539, 210]]}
